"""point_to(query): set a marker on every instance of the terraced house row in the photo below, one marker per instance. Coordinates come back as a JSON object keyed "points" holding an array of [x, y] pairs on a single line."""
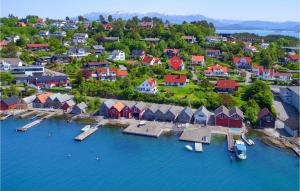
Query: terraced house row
{"points": [[171, 113]]}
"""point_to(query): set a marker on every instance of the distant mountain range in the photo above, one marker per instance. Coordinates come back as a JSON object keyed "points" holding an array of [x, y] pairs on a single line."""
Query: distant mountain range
{"points": [[219, 23]]}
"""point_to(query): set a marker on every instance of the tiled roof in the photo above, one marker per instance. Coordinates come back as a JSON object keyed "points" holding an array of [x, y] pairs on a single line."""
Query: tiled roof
{"points": [[43, 97], [265, 111], [177, 78], [238, 59], [175, 62], [37, 45], [197, 58], [151, 82], [227, 84], [294, 57], [216, 66], [119, 106], [221, 109], [236, 110], [81, 105]]}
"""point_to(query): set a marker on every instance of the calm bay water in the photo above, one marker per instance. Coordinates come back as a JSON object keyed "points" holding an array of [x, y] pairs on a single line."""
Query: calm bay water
{"points": [[36, 161], [261, 32]]}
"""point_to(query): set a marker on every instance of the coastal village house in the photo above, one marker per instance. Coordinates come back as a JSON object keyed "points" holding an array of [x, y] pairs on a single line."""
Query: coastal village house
{"points": [[185, 115], [98, 49], [175, 80], [197, 60], [127, 110], [107, 26], [138, 54], [229, 118], [117, 55], [8, 63], [105, 106], [68, 105], [216, 70], [77, 52], [214, 39], [150, 112], [269, 74], [149, 86], [172, 113], [213, 53], [202, 115], [242, 62], [95, 65], [226, 86], [150, 61], [27, 101], [59, 34], [250, 48], [79, 108], [176, 63], [110, 74], [146, 24], [44, 33], [170, 52], [38, 47], [161, 112], [80, 38], [40, 100], [189, 39], [43, 80], [137, 111], [8, 103], [293, 58], [266, 119], [116, 110]]}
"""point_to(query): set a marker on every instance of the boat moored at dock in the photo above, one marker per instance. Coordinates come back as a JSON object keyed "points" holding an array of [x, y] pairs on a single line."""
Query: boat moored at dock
{"points": [[240, 149]]}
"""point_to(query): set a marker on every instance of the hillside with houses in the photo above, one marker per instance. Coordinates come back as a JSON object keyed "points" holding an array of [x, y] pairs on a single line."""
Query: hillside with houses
{"points": [[145, 60]]}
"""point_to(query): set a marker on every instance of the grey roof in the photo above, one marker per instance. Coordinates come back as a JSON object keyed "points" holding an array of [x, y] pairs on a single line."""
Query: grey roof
{"points": [[203, 110], [81, 105], [164, 108], [62, 97], [29, 99], [221, 109], [188, 111], [109, 103], [141, 106], [129, 104], [153, 107], [53, 96], [70, 102], [237, 111], [175, 110], [98, 47], [12, 61], [11, 100]]}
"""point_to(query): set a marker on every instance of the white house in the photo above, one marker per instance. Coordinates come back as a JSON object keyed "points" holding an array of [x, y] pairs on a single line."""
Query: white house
{"points": [[117, 55], [283, 76], [80, 38], [202, 115], [77, 52], [29, 70], [149, 86], [13, 38], [44, 33], [7, 63], [59, 34], [197, 60], [150, 61]]}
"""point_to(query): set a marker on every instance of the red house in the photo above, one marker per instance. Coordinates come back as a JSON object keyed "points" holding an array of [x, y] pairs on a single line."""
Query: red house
{"points": [[229, 118], [175, 80], [37, 46], [9, 103], [176, 63], [226, 86], [138, 110], [68, 105], [127, 110], [116, 110]]}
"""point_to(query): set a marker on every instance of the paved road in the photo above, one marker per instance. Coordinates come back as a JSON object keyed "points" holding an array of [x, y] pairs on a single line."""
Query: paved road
{"points": [[248, 77]]}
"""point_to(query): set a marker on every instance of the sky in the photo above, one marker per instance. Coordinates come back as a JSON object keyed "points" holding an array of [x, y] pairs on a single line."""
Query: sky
{"points": [[266, 10]]}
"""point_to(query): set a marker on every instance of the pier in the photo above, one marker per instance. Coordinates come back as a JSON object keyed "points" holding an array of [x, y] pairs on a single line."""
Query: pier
{"points": [[200, 135], [198, 147], [86, 133], [26, 114], [150, 129], [230, 142]]}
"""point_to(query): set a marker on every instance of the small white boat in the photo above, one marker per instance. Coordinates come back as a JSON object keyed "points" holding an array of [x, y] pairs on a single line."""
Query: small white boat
{"points": [[189, 147], [248, 141], [251, 141], [85, 128], [141, 123]]}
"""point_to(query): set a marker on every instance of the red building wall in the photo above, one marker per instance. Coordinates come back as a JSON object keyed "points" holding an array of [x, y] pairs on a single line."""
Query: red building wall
{"points": [[4, 106], [113, 113], [126, 112], [228, 122], [221, 121], [235, 123]]}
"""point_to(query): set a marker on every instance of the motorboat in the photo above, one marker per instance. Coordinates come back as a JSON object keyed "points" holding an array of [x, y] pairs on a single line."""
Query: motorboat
{"points": [[240, 149], [85, 128], [189, 147], [248, 141]]}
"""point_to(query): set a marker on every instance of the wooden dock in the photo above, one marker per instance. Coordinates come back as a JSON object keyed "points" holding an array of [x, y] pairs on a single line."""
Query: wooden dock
{"points": [[149, 129], [198, 147], [86, 133], [200, 135], [230, 142], [5, 117], [26, 114], [296, 150], [29, 125]]}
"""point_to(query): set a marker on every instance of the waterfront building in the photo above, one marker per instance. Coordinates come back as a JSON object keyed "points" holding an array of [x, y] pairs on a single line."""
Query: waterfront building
{"points": [[105, 106], [127, 110], [172, 113], [150, 112], [266, 119], [161, 112], [116, 110], [185, 115], [137, 111], [40, 100], [8, 103], [202, 116], [79, 108], [229, 118], [68, 105]]}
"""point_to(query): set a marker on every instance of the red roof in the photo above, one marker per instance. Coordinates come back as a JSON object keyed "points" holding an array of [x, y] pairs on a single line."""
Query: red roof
{"points": [[227, 84], [151, 82], [115, 70], [216, 66], [238, 59], [282, 74], [122, 73], [148, 59], [175, 78], [294, 57], [197, 58], [37, 45], [175, 62]]}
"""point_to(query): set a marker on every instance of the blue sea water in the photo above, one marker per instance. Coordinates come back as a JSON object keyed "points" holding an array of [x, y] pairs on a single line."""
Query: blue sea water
{"points": [[35, 161], [261, 32]]}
